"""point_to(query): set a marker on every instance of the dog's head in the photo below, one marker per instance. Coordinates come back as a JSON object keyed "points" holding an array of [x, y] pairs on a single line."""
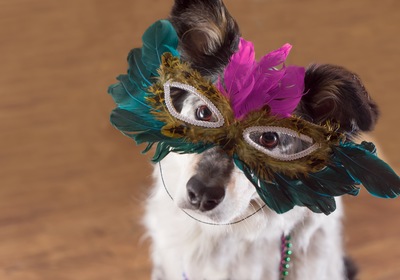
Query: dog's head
{"points": [[209, 185], [195, 88]]}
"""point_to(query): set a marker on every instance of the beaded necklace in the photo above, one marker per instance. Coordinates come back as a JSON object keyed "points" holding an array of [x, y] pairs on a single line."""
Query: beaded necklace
{"points": [[286, 252]]}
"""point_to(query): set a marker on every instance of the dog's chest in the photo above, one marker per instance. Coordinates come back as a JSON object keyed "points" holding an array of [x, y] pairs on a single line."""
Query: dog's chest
{"points": [[232, 257]]}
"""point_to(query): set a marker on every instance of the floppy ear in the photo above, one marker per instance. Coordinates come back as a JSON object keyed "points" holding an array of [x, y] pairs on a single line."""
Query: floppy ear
{"points": [[208, 35], [335, 94]]}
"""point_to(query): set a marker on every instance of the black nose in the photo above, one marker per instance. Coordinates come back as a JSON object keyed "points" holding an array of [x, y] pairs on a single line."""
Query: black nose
{"points": [[204, 197]]}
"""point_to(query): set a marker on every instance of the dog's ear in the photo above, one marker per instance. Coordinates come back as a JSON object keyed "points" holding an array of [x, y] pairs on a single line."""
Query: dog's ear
{"points": [[208, 35], [333, 93]]}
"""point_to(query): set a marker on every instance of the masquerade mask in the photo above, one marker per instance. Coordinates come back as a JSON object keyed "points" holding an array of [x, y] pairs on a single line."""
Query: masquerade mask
{"points": [[248, 113]]}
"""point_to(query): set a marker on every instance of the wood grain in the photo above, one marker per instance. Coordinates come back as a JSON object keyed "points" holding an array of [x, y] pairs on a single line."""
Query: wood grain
{"points": [[71, 187]]}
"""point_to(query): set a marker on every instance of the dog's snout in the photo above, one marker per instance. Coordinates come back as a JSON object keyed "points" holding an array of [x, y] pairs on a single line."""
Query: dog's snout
{"points": [[204, 197]]}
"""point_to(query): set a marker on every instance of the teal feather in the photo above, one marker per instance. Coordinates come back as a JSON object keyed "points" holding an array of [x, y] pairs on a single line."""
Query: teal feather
{"points": [[119, 94], [333, 180], [302, 195], [363, 165], [136, 126], [148, 147], [177, 146], [142, 131], [351, 165], [159, 38], [273, 195], [133, 116], [137, 71], [283, 194], [129, 96], [369, 146]]}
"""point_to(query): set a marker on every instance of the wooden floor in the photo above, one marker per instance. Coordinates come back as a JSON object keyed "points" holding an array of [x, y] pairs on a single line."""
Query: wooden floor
{"points": [[71, 186]]}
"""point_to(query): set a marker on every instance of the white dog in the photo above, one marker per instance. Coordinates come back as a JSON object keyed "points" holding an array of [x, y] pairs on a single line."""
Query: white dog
{"points": [[204, 217]]}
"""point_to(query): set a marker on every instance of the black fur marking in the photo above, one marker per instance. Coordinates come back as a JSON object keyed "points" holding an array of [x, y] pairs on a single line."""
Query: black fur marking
{"points": [[351, 269], [214, 168], [178, 96], [208, 34]]}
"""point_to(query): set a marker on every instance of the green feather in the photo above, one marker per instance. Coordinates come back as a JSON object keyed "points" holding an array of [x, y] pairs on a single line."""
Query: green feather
{"points": [[137, 71], [133, 116], [352, 164], [332, 181], [302, 195], [136, 126], [273, 195], [142, 131], [129, 96], [159, 38], [363, 165], [283, 194], [177, 146]]}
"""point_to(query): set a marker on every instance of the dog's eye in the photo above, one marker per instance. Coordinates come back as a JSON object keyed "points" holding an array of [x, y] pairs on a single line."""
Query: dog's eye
{"points": [[269, 140], [279, 142], [185, 103], [203, 113]]}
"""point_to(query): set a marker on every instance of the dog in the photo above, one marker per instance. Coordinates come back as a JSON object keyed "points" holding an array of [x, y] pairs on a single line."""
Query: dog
{"points": [[204, 217]]}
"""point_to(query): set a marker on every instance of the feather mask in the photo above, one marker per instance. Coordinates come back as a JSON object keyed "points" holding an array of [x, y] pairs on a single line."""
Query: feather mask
{"points": [[248, 113]]}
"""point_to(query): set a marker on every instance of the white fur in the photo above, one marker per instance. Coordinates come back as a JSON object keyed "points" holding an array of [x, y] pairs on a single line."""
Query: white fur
{"points": [[247, 250]]}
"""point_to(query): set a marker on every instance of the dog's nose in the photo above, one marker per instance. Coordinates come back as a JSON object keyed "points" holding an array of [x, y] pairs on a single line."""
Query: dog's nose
{"points": [[204, 197]]}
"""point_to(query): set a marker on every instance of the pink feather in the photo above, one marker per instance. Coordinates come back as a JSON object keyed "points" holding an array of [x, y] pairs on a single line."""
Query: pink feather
{"points": [[288, 93], [238, 78], [250, 85]]}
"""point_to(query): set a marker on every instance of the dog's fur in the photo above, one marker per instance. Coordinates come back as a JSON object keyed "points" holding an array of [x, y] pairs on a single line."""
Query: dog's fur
{"points": [[184, 247]]}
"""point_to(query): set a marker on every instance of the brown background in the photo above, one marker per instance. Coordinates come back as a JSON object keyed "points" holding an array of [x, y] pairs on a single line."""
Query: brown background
{"points": [[71, 186]]}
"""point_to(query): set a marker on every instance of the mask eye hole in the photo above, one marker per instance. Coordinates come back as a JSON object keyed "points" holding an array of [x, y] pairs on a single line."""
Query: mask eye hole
{"points": [[279, 142], [185, 103], [269, 140], [203, 113]]}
